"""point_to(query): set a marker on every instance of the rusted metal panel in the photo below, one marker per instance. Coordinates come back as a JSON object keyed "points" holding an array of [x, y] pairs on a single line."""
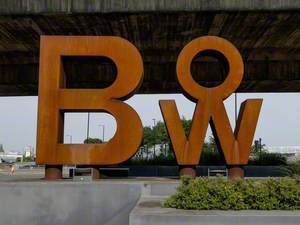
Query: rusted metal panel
{"points": [[55, 99]]}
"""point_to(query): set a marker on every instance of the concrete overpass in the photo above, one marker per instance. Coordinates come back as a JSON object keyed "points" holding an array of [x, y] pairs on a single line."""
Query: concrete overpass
{"points": [[267, 33]]}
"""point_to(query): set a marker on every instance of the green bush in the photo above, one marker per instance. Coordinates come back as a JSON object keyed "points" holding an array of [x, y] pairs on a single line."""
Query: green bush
{"points": [[267, 194], [150, 162], [213, 158]]}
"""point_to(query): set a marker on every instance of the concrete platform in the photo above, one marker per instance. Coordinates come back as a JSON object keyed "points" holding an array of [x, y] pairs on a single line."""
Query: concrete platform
{"points": [[105, 202], [67, 203], [114, 202]]}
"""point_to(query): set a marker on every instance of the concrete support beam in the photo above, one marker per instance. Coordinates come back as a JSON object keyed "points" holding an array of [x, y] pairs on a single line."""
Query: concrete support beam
{"points": [[260, 76], [107, 6]]}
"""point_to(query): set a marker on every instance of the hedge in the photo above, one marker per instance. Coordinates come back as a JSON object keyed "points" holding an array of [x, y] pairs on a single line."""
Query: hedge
{"points": [[212, 158], [250, 194]]}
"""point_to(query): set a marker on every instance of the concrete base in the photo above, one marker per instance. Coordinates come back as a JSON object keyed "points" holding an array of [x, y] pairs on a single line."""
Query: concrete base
{"points": [[68, 203], [53, 172], [235, 172], [187, 171], [150, 212]]}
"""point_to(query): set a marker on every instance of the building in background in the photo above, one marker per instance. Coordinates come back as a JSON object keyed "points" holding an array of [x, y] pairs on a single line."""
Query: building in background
{"points": [[28, 151], [291, 152]]}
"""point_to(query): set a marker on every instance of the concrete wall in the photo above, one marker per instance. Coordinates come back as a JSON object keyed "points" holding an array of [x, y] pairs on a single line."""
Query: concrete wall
{"points": [[216, 218], [68, 203], [149, 212]]}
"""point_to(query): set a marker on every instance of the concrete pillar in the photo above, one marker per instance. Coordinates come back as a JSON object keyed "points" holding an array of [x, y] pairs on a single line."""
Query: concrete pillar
{"points": [[187, 171], [53, 172], [235, 172]]}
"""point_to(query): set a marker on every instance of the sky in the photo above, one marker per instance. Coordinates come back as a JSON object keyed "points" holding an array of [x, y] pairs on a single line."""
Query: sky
{"points": [[278, 125]]}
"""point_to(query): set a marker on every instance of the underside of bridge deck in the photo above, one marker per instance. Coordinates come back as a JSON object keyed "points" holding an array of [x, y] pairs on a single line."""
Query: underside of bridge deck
{"points": [[268, 39]]}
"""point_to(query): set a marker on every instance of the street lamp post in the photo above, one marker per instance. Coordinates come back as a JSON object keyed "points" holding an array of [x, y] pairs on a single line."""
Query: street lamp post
{"points": [[88, 127], [154, 122], [260, 147], [154, 137], [70, 136], [103, 130]]}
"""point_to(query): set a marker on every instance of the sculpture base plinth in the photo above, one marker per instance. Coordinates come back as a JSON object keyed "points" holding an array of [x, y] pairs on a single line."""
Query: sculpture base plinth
{"points": [[235, 172], [187, 171], [53, 172]]}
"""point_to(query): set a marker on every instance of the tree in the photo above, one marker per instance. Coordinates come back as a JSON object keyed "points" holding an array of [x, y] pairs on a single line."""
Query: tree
{"points": [[211, 145], [186, 124], [28, 159], [258, 148], [158, 135], [92, 141], [211, 155]]}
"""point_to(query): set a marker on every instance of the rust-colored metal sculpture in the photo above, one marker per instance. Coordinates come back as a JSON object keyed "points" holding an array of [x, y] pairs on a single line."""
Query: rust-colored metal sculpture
{"points": [[235, 145], [55, 99]]}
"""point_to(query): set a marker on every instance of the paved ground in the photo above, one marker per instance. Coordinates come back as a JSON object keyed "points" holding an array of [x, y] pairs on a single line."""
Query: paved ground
{"points": [[35, 174], [22, 175], [38, 174]]}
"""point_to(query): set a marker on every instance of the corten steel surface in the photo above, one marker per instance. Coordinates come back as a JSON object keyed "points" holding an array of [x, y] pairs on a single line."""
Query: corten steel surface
{"points": [[55, 99], [210, 108]]}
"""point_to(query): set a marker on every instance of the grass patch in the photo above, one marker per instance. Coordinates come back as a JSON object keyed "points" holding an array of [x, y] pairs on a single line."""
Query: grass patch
{"points": [[221, 194]]}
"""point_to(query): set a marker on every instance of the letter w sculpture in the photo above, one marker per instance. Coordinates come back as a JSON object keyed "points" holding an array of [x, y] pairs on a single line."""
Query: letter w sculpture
{"points": [[236, 146]]}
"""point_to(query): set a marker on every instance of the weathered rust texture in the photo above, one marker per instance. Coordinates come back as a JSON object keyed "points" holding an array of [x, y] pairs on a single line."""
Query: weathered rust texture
{"points": [[55, 99], [210, 108]]}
